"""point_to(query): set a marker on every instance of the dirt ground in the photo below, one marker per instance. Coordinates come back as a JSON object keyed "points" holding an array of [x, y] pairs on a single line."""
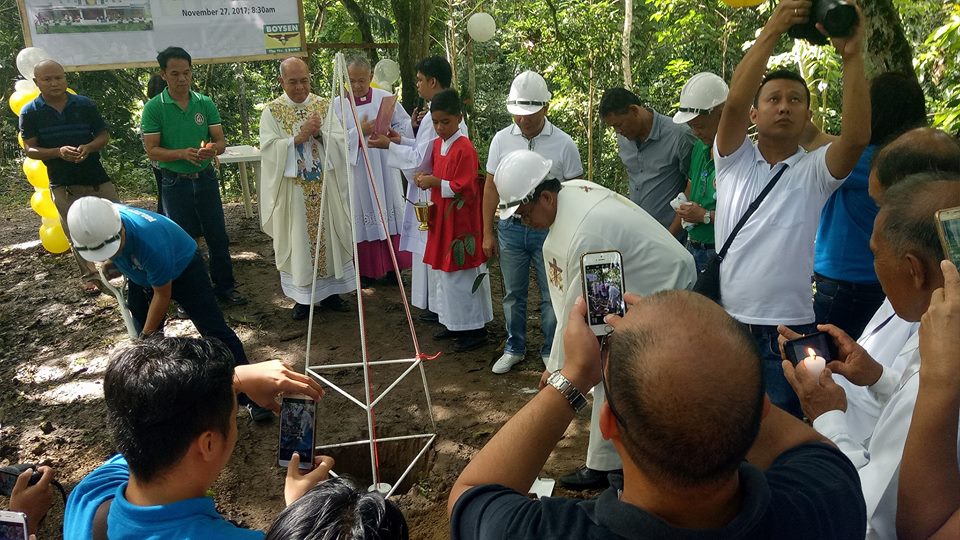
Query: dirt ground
{"points": [[55, 342]]}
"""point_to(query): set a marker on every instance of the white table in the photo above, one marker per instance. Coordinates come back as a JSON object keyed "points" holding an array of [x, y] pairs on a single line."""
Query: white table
{"points": [[242, 155]]}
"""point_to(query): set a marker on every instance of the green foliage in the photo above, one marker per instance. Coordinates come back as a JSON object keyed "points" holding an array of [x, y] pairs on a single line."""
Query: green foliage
{"points": [[938, 66]]}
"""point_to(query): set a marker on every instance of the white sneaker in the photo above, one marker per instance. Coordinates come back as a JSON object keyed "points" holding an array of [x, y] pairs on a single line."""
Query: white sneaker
{"points": [[506, 362]]}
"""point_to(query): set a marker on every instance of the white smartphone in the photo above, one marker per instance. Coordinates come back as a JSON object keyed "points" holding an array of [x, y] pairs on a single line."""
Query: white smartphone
{"points": [[13, 525], [948, 227], [602, 277], [297, 423]]}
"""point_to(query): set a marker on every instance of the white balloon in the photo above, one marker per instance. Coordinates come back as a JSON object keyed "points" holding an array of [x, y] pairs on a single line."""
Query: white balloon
{"points": [[386, 72], [24, 85], [481, 26], [28, 58]]}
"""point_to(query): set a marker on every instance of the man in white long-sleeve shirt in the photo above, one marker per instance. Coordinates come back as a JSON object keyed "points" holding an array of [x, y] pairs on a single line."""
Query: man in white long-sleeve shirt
{"points": [[434, 74], [907, 256]]}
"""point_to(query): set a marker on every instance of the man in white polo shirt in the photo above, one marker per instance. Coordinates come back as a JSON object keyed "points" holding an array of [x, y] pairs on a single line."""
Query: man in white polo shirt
{"points": [[520, 245], [765, 276]]}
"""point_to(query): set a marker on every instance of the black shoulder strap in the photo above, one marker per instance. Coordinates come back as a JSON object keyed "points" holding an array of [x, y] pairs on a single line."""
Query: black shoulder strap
{"points": [[750, 210], [100, 520]]}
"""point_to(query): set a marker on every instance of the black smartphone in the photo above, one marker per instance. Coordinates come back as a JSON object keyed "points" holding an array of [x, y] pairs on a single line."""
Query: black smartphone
{"points": [[297, 427], [815, 344], [602, 280]]}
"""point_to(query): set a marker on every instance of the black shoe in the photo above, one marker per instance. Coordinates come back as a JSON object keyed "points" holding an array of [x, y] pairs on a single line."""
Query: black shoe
{"points": [[428, 316], [182, 313], [335, 303], [300, 312], [231, 298], [468, 341], [367, 282], [447, 334], [258, 414], [587, 478]]}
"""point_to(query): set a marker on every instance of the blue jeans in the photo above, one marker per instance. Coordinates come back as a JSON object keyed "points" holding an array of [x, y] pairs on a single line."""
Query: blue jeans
{"points": [[519, 247], [195, 205], [846, 305], [700, 256], [778, 389], [191, 289]]}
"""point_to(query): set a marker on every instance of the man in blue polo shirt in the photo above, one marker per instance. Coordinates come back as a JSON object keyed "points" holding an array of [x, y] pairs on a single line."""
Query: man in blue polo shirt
{"points": [[161, 262], [182, 132], [66, 132]]}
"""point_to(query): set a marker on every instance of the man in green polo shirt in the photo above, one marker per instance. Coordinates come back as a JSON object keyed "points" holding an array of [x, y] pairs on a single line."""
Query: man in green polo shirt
{"points": [[701, 104], [182, 132]]}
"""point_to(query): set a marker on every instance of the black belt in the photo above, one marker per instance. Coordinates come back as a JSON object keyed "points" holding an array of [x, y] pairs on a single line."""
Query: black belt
{"points": [[191, 176], [700, 245], [849, 285]]}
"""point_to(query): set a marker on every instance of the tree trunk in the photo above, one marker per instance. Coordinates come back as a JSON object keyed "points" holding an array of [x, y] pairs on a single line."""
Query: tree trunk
{"points": [[363, 23], [625, 44], [887, 48], [413, 38]]}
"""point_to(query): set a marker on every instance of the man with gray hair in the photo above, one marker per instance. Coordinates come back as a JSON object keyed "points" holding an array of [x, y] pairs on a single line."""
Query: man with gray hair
{"points": [[907, 257], [381, 192]]}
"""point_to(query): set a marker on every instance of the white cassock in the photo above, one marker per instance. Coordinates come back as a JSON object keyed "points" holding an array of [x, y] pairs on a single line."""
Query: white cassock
{"points": [[592, 218], [298, 183], [410, 156], [374, 258]]}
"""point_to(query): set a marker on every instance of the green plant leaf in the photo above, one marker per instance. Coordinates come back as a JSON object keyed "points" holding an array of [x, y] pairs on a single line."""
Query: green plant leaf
{"points": [[459, 257], [477, 282], [470, 242]]}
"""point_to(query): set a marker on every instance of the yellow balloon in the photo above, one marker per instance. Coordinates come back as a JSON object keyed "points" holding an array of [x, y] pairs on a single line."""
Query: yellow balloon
{"points": [[19, 99], [50, 222], [20, 139], [742, 3], [36, 173], [42, 204], [71, 91], [53, 238], [376, 85]]}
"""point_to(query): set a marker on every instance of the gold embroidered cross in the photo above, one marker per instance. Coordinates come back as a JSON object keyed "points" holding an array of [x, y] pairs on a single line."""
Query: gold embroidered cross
{"points": [[556, 274]]}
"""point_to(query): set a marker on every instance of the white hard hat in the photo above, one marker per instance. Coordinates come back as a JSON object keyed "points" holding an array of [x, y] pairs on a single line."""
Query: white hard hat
{"points": [[517, 177], [528, 94], [700, 95], [94, 225]]}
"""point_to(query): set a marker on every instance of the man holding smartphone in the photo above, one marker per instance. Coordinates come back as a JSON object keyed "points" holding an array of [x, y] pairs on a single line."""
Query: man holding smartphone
{"points": [[583, 217]]}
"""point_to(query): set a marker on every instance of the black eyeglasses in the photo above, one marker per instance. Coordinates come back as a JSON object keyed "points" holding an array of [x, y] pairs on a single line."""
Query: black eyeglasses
{"points": [[604, 360]]}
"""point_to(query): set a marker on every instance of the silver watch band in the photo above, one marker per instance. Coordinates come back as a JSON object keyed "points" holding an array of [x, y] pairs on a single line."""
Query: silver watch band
{"points": [[563, 385]]}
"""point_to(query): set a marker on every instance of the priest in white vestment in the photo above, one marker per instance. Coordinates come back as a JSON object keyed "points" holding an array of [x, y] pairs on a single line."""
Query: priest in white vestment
{"points": [[372, 248], [304, 177]]}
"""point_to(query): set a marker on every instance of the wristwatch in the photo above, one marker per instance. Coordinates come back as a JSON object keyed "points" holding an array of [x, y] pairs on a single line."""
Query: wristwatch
{"points": [[706, 217], [563, 385]]}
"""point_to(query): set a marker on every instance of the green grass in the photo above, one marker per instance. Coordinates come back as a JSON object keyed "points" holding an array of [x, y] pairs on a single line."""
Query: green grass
{"points": [[83, 29]]}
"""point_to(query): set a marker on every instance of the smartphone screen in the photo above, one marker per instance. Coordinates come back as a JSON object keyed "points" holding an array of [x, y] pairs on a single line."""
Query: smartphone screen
{"points": [[13, 526], [948, 226], [815, 344], [297, 422], [602, 287]]}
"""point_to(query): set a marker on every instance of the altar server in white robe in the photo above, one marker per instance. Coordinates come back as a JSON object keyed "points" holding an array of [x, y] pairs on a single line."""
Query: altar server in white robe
{"points": [[372, 248], [304, 175], [412, 155]]}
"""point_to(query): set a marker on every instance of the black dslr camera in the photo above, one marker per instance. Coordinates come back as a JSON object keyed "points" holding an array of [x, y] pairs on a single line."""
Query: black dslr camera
{"points": [[838, 18]]}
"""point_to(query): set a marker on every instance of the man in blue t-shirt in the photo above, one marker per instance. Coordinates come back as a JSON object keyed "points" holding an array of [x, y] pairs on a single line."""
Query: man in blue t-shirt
{"points": [[161, 262], [714, 461], [171, 408]]}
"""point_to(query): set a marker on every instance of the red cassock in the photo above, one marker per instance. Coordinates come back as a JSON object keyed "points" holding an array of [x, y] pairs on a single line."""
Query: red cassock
{"points": [[449, 223]]}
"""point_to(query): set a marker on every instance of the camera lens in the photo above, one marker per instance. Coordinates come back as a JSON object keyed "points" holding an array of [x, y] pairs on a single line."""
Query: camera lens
{"points": [[837, 17]]}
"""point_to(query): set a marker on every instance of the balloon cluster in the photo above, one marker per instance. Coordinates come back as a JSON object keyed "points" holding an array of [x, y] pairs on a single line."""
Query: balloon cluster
{"points": [[51, 232], [385, 73]]}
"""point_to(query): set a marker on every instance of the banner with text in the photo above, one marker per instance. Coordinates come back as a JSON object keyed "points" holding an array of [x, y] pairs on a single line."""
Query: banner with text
{"points": [[85, 34]]}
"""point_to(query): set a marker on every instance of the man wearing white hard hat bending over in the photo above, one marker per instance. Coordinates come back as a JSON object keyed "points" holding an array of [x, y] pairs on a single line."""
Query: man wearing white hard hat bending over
{"points": [[519, 245], [161, 262], [585, 217], [701, 104]]}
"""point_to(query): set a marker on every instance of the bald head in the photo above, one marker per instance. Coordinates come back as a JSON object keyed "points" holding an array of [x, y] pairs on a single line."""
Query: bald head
{"points": [[699, 434], [50, 78], [916, 151], [295, 79]]}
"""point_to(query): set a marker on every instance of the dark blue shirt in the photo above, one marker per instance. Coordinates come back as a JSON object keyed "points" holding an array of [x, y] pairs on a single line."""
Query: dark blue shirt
{"points": [[811, 491], [155, 249], [79, 123], [842, 251]]}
